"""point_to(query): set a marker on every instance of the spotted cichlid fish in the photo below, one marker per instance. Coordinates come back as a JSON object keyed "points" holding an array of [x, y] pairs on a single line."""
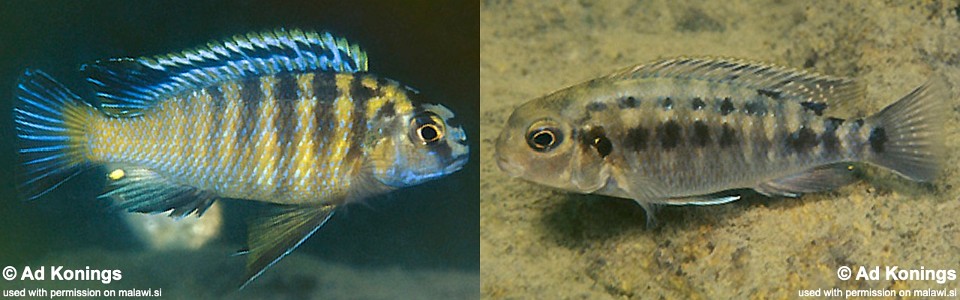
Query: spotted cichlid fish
{"points": [[684, 131], [287, 117]]}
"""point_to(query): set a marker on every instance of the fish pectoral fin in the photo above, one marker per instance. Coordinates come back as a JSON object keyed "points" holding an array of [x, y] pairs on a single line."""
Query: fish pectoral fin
{"points": [[275, 234], [813, 180], [644, 191], [137, 189]]}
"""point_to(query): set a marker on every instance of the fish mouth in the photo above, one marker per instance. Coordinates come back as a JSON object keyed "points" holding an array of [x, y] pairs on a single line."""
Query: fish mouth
{"points": [[507, 167], [457, 163], [502, 162]]}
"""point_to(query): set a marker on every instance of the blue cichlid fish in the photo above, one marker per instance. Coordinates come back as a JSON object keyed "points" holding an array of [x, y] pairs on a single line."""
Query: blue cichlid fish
{"points": [[286, 117], [684, 131]]}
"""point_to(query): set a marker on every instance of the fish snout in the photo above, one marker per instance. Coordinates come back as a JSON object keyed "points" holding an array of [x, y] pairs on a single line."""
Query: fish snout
{"points": [[507, 167]]}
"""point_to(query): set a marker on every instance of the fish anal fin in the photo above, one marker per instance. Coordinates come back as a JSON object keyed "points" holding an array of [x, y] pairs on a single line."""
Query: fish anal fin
{"points": [[817, 179], [275, 234], [137, 189]]}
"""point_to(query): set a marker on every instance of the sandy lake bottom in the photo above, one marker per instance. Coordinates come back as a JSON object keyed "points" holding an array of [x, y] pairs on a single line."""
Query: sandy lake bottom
{"points": [[537, 242]]}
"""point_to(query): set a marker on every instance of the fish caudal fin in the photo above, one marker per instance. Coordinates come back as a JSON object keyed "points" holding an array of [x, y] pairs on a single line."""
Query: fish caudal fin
{"points": [[50, 123], [277, 233], [906, 138]]}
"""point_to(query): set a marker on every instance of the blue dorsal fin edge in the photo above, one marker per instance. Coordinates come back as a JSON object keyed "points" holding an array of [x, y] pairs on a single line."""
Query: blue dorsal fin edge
{"points": [[127, 85]]}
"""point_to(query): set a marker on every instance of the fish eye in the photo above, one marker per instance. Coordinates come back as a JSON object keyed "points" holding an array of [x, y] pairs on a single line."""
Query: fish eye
{"points": [[543, 138], [427, 129], [429, 133]]}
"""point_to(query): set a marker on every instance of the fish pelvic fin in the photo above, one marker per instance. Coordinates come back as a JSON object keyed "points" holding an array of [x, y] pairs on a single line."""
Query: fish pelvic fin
{"points": [[278, 232], [137, 189], [51, 132], [712, 199], [906, 137]]}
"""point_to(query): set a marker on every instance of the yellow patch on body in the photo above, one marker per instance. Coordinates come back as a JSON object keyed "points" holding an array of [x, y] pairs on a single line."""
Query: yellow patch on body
{"points": [[267, 148], [304, 161], [305, 84], [374, 104], [203, 101], [229, 155], [401, 102], [343, 110]]}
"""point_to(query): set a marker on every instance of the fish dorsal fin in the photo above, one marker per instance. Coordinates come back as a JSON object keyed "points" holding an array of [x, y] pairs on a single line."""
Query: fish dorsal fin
{"points": [[127, 85], [771, 80]]}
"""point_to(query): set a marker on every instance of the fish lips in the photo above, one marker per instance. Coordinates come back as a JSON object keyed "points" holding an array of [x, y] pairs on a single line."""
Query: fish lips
{"points": [[507, 167], [457, 163]]}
